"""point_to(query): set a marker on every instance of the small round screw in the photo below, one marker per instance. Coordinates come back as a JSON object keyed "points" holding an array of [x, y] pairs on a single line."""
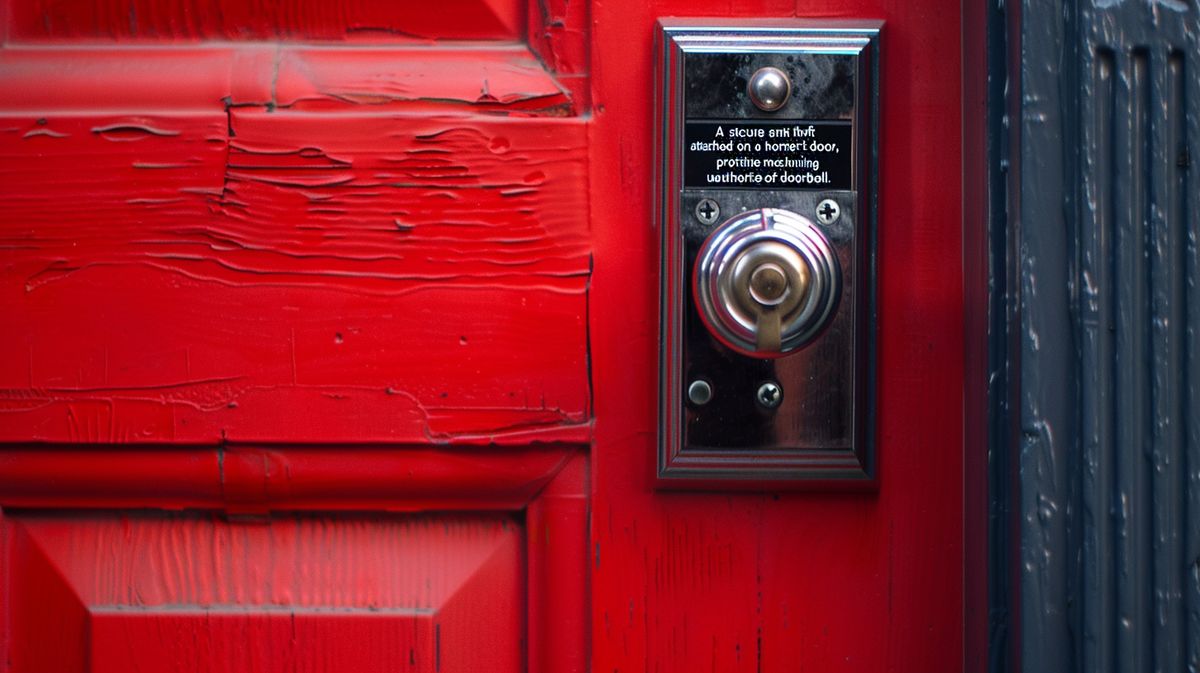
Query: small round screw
{"points": [[707, 211], [769, 88], [770, 395], [699, 392], [828, 211]]}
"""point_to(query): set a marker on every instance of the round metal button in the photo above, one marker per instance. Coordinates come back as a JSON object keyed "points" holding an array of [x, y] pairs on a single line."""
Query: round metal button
{"points": [[700, 392], [766, 282], [769, 88]]}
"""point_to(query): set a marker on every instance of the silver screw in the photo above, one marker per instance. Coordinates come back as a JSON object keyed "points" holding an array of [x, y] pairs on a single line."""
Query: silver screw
{"points": [[770, 395], [828, 211], [699, 392], [707, 211]]}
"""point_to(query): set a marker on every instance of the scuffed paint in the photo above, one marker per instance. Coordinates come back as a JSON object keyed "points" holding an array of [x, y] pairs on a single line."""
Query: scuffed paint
{"points": [[178, 272], [188, 21], [1109, 465]]}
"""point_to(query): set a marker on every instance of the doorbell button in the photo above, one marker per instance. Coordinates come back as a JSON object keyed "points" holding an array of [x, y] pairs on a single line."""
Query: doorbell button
{"points": [[766, 282], [769, 284]]}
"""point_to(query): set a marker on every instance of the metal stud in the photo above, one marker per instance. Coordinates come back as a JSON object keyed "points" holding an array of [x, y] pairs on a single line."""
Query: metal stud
{"points": [[769, 88], [700, 392]]}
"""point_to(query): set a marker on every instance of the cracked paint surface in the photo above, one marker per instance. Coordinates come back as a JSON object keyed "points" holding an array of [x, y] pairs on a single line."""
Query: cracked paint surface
{"points": [[292, 245]]}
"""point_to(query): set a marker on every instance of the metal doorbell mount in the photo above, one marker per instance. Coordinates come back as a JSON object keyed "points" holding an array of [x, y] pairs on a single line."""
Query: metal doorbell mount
{"points": [[767, 146]]}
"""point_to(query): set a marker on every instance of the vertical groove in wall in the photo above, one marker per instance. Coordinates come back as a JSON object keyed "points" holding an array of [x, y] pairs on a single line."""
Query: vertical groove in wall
{"points": [[1186, 200], [1096, 346], [1132, 325], [1168, 262], [1129, 179], [1129, 112]]}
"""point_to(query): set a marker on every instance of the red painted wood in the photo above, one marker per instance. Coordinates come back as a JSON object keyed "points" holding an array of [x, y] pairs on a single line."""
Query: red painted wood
{"points": [[149, 592], [557, 538], [500, 79], [196, 20], [976, 318], [258, 275], [333, 245], [294, 275], [730, 582], [249, 479], [559, 32]]}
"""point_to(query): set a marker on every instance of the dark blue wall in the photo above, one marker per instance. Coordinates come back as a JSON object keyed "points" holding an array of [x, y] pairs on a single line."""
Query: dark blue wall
{"points": [[1101, 118]]}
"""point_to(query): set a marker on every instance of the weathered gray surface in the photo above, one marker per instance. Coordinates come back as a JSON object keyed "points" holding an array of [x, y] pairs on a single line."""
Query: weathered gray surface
{"points": [[1109, 451]]}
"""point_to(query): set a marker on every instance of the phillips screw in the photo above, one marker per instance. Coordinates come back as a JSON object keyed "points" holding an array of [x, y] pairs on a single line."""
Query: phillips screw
{"points": [[828, 211], [707, 211], [770, 395]]}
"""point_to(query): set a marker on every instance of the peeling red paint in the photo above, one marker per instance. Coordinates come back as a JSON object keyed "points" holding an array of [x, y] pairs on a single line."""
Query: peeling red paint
{"points": [[223, 20], [500, 79], [334, 263], [190, 287]]}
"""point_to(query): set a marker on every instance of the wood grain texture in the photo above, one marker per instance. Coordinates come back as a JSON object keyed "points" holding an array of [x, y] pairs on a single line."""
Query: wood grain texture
{"points": [[502, 79], [415, 593], [229, 271], [257, 479], [767, 582], [294, 262], [559, 32], [1106, 470], [556, 525], [57, 21]]}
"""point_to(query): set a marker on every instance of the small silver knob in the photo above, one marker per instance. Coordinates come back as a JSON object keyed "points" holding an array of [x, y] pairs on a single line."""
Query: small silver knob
{"points": [[769, 284], [700, 392], [769, 88]]}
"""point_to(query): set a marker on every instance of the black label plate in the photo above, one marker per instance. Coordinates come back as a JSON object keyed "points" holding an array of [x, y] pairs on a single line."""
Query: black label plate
{"points": [[793, 154]]}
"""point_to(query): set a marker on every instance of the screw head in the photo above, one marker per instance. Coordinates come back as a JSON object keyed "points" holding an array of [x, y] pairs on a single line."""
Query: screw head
{"points": [[828, 211], [770, 395], [708, 211], [700, 392], [769, 88]]}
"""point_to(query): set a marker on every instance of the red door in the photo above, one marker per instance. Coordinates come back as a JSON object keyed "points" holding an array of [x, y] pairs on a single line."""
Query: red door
{"points": [[330, 343]]}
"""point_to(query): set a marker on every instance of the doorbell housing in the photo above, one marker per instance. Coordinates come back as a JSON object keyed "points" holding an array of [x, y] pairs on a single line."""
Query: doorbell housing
{"points": [[767, 141]]}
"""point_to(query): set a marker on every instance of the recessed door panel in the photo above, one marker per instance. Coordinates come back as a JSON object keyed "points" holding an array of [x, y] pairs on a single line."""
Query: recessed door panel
{"points": [[154, 592]]}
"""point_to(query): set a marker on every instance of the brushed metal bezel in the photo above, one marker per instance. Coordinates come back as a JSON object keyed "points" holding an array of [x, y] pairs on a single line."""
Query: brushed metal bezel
{"points": [[679, 466], [735, 236]]}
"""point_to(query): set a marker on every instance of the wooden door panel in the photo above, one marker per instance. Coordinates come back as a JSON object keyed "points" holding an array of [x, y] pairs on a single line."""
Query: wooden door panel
{"points": [[196, 20], [258, 479], [121, 592], [211, 266], [417, 275], [296, 277]]}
